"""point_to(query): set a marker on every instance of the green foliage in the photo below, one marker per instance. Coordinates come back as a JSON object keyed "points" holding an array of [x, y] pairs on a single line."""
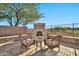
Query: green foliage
{"points": [[65, 29], [18, 13]]}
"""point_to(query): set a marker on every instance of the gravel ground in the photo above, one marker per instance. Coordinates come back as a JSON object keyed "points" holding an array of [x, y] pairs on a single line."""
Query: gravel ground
{"points": [[10, 49], [3, 41]]}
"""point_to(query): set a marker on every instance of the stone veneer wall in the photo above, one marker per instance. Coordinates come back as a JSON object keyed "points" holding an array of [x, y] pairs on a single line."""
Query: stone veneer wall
{"points": [[12, 30]]}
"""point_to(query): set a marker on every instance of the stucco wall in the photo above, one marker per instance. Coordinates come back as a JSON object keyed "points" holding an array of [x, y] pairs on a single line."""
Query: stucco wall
{"points": [[71, 40], [11, 30]]}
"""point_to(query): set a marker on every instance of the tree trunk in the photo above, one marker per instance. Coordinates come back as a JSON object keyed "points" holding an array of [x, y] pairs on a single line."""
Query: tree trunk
{"points": [[17, 19]]}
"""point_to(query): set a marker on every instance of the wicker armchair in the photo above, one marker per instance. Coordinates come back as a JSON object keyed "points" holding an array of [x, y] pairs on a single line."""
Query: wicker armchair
{"points": [[25, 41], [53, 42]]}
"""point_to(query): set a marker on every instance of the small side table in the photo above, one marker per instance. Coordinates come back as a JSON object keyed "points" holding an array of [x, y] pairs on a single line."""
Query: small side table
{"points": [[39, 40]]}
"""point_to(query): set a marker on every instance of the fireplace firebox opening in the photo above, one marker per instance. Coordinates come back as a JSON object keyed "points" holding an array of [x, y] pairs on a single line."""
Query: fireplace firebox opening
{"points": [[39, 33]]}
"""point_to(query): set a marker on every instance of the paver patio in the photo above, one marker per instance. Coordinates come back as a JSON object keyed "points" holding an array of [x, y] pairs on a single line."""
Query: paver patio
{"points": [[14, 49]]}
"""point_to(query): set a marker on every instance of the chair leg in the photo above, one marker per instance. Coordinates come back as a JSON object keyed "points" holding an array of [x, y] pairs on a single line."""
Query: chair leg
{"points": [[21, 49], [41, 45], [50, 48], [59, 48], [36, 45], [26, 46]]}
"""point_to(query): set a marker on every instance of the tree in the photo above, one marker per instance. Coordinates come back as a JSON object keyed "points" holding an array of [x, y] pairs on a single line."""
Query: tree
{"points": [[18, 13]]}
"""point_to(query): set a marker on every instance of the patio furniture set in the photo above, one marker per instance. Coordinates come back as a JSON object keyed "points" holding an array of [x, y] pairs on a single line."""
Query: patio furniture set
{"points": [[40, 36]]}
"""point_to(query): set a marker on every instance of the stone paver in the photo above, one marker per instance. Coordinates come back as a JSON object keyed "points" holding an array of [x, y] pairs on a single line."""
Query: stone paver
{"points": [[66, 51]]}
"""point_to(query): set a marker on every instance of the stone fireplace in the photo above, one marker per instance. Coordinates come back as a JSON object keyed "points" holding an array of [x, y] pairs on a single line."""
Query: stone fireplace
{"points": [[39, 27], [39, 30]]}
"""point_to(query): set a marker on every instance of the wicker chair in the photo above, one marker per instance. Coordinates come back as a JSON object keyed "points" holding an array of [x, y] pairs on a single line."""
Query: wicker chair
{"points": [[25, 41], [53, 42]]}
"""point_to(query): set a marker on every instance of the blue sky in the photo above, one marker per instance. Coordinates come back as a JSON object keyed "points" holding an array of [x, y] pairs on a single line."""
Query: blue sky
{"points": [[58, 13]]}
